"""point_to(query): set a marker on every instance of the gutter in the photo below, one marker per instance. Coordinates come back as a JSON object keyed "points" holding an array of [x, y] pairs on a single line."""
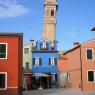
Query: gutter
{"points": [[81, 69]]}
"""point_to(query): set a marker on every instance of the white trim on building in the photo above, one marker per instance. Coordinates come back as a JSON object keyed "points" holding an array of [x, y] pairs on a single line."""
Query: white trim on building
{"points": [[6, 50], [5, 80]]}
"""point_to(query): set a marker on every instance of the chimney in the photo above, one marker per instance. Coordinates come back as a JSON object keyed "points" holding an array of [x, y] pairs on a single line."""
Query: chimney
{"points": [[32, 43], [76, 44]]}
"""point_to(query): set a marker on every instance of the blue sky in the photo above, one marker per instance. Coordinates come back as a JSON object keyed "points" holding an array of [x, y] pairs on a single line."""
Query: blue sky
{"points": [[75, 19]]}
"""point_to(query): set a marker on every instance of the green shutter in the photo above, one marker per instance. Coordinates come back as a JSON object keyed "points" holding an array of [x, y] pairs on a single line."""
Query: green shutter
{"points": [[49, 61], [55, 61], [33, 61], [40, 60]]}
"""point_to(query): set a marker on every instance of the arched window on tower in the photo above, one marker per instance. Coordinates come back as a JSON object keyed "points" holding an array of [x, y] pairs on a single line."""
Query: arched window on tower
{"points": [[52, 12]]}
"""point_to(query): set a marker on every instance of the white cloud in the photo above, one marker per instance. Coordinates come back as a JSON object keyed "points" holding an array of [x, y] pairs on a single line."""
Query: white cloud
{"points": [[11, 8]]}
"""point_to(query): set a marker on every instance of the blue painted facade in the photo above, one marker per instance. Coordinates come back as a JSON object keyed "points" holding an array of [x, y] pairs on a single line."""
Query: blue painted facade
{"points": [[45, 67], [47, 56]]}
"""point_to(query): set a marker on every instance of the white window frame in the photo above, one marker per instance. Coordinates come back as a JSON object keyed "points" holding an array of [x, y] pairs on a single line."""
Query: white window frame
{"points": [[6, 50], [37, 61], [92, 54], [44, 46], [5, 80], [52, 61], [94, 77]]}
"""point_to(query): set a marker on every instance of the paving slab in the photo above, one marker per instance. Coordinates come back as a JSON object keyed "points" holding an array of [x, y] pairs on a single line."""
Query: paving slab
{"points": [[57, 92]]}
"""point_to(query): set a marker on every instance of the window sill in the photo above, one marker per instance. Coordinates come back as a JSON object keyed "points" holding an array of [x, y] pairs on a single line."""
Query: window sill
{"points": [[3, 58], [90, 60], [3, 88]]}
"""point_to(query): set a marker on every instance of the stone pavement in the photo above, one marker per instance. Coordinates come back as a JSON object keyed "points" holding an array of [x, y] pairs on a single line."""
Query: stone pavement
{"points": [[57, 92]]}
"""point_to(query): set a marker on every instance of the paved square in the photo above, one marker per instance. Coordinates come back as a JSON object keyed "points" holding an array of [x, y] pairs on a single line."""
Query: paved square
{"points": [[57, 92]]}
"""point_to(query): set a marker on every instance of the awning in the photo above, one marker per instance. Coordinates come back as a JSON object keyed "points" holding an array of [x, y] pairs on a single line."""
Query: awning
{"points": [[40, 75]]}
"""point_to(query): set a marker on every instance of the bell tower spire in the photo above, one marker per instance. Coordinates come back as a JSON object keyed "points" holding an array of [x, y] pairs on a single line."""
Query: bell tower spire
{"points": [[50, 7]]}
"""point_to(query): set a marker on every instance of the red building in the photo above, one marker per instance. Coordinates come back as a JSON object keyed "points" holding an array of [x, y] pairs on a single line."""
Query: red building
{"points": [[11, 51], [79, 64]]}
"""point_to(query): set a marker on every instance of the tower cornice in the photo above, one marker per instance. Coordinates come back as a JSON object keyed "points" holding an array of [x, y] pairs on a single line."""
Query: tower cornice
{"points": [[51, 3]]}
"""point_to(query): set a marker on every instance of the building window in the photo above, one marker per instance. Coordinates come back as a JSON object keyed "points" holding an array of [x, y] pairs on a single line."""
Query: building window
{"points": [[3, 80], [26, 50], [3, 50], [90, 54], [91, 76], [52, 12], [52, 61], [44, 46], [27, 65], [37, 61]]}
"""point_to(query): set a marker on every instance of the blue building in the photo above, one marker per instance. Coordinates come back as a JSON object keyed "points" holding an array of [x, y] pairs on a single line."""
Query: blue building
{"points": [[44, 63], [45, 54]]}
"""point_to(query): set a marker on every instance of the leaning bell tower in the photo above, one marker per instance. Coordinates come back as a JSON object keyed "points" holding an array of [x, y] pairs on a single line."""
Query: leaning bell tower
{"points": [[50, 7]]}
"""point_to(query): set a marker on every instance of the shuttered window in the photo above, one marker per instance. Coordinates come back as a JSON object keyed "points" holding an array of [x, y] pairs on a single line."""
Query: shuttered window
{"points": [[52, 61], [37, 61], [44, 46]]}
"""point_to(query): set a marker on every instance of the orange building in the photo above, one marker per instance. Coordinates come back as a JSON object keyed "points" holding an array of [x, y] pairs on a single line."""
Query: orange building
{"points": [[11, 50], [79, 64]]}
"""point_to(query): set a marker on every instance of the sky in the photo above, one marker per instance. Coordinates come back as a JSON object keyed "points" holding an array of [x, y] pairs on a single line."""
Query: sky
{"points": [[75, 19]]}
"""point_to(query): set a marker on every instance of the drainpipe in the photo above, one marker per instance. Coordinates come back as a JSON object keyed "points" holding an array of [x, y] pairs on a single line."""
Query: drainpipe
{"points": [[81, 69]]}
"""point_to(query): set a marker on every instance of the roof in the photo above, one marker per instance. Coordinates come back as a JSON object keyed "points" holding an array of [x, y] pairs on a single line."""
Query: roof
{"points": [[41, 40], [26, 44], [93, 29], [60, 53], [88, 41], [10, 34], [70, 50]]}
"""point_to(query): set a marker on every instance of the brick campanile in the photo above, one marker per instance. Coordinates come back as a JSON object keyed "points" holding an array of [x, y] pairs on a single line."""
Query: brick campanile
{"points": [[50, 7]]}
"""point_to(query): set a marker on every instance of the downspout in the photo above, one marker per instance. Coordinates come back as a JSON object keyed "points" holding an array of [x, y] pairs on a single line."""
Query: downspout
{"points": [[81, 69]]}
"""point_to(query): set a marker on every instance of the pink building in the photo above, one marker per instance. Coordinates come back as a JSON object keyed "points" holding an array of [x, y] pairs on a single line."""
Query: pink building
{"points": [[79, 64]]}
